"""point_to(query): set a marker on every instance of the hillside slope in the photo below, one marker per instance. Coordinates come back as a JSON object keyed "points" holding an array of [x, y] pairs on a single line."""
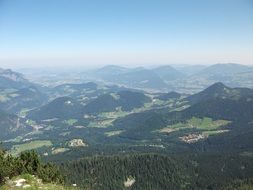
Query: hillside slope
{"points": [[11, 79], [219, 90], [11, 126], [64, 107], [125, 100]]}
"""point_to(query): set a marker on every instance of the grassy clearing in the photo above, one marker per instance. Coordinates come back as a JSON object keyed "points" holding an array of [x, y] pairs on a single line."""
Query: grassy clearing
{"points": [[64, 134], [181, 108], [15, 140], [8, 94], [16, 149], [30, 122], [101, 123], [198, 123], [215, 132], [247, 153], [24, 112], [14, 95], [113, 133], [115, 96], [147, 106], [166, 130], [49, 127], [113, 115], [59, 150], [70, 121], [206, 125]]}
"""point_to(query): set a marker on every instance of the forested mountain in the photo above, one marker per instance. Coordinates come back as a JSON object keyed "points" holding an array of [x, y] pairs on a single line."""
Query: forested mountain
{"points": [[17, 93], [63, 107], [66, 107], [219, 90], [74, 90], [216, 105], [168, 73], [16, 100], [240, 110], [125, 100]]}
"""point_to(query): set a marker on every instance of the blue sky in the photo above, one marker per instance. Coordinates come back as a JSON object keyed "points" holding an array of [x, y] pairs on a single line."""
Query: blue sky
{"points": [[134, 32]]}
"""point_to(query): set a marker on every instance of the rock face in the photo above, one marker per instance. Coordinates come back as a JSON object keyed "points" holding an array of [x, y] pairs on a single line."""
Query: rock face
{"points": [[28, 181], [11, 79], [19, 182], [129, 182], [77, 143]]}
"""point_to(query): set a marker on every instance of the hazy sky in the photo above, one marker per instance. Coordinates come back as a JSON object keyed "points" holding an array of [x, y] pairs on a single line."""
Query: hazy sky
{"points": [[136, 32]]}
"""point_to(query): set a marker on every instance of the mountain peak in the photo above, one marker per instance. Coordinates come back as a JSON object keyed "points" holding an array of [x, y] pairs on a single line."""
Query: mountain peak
{"points": [[219, 90], [168, 72], [215, 90], [217, 85], [225, 68]]}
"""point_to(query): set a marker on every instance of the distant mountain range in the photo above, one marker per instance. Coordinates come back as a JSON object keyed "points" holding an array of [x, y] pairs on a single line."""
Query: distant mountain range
{"points": [[225, 69], [135, 78], [230, 74], [186, 79], [168, 73]]}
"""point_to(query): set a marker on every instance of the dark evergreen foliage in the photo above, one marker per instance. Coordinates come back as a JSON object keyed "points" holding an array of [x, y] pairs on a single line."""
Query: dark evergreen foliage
{"points": [[157, 171], [27, 163]]}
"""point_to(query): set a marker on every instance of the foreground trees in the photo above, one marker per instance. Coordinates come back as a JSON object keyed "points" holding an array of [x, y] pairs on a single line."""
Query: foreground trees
{"points": [[27, 163]]}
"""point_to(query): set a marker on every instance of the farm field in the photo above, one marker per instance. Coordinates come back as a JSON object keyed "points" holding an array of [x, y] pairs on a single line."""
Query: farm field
{"points": [[16, 149]]}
